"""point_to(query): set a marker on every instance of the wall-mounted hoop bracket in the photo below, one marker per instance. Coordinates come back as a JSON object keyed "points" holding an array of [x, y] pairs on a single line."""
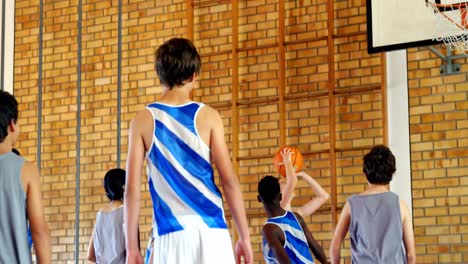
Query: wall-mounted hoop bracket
{"points": [[448, 67]]}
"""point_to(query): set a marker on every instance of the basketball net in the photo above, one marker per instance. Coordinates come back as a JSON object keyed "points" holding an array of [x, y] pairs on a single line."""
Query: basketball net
{"points": [[452, 24]]}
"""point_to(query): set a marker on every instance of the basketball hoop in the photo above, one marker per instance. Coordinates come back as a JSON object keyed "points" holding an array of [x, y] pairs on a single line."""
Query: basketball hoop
{"points": [[452, 24]]}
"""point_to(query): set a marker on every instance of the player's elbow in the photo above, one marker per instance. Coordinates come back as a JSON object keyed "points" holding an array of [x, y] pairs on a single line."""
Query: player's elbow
{"points": [[325, 196], [40, 234]]}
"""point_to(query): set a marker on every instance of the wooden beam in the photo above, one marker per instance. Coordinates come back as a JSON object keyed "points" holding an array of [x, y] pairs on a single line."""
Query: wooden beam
{"points": [[190, 19], [190, 27], [357, 89], [282, 72], [209, 3], [265, 46]]}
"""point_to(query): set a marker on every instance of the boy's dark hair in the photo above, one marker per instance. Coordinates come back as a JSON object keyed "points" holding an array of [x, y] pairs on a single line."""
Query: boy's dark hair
{"points": [[268, 189], [379, 165], [113, 184], [176, 61], [8, 112]]}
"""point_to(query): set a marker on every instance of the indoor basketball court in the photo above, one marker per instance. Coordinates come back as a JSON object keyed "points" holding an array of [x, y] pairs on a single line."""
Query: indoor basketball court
{"points": [[331, 79]]}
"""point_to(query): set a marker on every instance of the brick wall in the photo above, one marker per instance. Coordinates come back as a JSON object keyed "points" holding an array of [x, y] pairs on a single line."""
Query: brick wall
{"points": [[438, 108], [439, 154]]}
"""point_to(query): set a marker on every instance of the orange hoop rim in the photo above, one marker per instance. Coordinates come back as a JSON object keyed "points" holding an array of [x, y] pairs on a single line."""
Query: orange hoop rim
{"points": [[447, 7]]}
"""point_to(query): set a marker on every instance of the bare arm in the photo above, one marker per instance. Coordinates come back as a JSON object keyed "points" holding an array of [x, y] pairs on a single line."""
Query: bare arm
{"points": [[135, 159], [314, 204], [340, 232], [37, 222], [231, 187], [408, 235], [274, 237], [291, 180], [91, 253], [313, 245]]}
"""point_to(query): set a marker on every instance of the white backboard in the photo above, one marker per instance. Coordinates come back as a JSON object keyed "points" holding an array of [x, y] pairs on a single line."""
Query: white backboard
{"points": [[400, 24], [7, 36]]}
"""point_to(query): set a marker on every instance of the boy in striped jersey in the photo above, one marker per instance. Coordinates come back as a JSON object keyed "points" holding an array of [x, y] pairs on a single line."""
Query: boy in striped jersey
{"points": [[286, 238], [179, 139]]}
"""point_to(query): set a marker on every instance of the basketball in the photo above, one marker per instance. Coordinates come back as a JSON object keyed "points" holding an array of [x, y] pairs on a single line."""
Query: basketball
{"points": [[296, 160]]}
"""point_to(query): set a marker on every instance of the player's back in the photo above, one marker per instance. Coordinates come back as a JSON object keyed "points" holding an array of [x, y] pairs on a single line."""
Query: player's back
{"points": [[295, 243], [376, 230], [180, 174], [13, 224], [109, 239]]}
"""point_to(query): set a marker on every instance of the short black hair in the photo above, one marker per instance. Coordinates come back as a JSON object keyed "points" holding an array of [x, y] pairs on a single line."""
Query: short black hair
{"points": [[379, 165], [8, 113], [113, 184], [176, 61], [269, 189]]}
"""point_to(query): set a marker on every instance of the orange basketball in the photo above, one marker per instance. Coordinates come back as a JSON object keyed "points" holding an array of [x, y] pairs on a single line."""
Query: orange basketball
{"points": [[296, 159]]}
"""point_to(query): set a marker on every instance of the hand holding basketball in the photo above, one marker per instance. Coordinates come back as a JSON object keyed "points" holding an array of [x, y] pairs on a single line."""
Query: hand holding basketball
{"points": [[288, 154]]}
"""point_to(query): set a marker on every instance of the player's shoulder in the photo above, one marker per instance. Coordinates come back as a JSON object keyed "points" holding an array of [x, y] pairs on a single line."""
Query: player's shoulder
{"points": [[142, 118], [270, 227], [299, 217], [29, 166], [143, 114], [209, 114], [207, 109], [404, 209], [29, 171]]}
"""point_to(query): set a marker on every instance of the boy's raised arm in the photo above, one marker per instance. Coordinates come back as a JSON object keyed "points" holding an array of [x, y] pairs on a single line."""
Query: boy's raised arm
{"points": [[317, 201], [291, 180], [231, 187]]}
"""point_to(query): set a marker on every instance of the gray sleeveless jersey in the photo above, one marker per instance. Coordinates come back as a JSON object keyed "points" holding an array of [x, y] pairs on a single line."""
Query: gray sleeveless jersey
{"points": [[376, 230], [14, 247], [109, 239]]}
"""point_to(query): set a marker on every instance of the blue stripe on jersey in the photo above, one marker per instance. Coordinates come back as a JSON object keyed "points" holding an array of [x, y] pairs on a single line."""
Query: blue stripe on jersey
{"points": [[190, 160], [300, 246], [294, 258], [211, 214], [184, 115], [163, 214]]}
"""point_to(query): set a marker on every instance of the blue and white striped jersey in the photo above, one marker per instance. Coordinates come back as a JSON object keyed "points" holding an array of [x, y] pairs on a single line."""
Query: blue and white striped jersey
{"points": [[180, 174], [295, 243]]}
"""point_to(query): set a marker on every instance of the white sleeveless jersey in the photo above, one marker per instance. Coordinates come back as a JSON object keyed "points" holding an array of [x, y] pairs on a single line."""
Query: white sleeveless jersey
{"points": [[180, 174]]}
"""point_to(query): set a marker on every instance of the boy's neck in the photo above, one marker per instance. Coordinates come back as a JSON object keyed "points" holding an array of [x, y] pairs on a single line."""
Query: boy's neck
{"points": [[177, 95], [5, 146], [377, 188], [273, 210]]}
